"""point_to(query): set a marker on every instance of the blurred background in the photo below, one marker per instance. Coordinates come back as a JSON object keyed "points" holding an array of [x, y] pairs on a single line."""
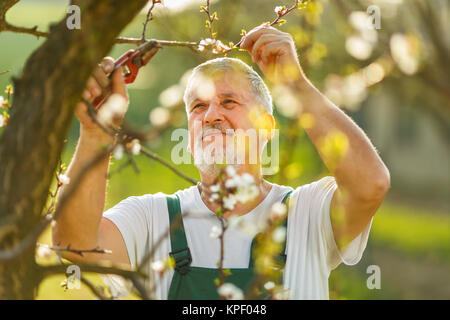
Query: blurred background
{"points": [[393, 81]]}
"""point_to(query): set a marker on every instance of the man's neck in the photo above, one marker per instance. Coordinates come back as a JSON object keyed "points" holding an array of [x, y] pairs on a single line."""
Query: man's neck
{"points": [[263, 186]]}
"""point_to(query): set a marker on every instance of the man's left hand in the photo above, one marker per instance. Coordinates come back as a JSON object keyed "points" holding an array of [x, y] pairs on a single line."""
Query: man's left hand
{"points": [[275, 54]]}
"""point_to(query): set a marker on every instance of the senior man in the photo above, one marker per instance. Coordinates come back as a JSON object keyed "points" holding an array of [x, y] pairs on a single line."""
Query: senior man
{"points": [[328, 221]]}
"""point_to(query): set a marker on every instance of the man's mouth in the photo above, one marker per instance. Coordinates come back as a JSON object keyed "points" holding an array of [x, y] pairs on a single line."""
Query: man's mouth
{"points": [[211, 133]]}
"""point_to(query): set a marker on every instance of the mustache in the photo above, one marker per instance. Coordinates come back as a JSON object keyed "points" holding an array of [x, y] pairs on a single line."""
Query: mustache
{"points": [[216, 127]]}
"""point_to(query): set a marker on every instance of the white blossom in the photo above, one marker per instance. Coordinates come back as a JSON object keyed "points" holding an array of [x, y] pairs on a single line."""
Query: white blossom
{"points": [[158, 266], [269, 285], [282, 294], [118, 152], [63, 179], [215, 232], [234, 221], [403, 53], [229, 202], [246, 188], [207, 42], [171, 96], [230, 183], [214, 197], [2, 120], [231, 171], [279, 234], [247, 178], [215, 188], [278, 211], [115, 106], [135, 147], [159, 116], [230, 292], [43, 252], [358, 47], [1, 100], [278, 9]]}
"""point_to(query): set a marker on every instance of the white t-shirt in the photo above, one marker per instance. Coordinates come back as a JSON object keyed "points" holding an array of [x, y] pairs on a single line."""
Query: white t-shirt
{"points": [[311, 249]]}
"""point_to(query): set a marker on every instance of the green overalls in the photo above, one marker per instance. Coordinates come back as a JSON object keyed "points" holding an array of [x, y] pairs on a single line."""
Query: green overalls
{"points": [[197, 283]]}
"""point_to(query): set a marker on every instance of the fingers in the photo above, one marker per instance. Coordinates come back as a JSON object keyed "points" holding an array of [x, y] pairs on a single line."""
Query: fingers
{"points": [[118, 83], [251, 37], [271, 49], [92, 89], [261, 43], [107, 65], [101, 73], [100, 77], [99, 82]]}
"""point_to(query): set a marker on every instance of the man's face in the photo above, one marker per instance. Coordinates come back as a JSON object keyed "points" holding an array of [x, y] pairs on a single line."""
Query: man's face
{"points": [[219, 106]]}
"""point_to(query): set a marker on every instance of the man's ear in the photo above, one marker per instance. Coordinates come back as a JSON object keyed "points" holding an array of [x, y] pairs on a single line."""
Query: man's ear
{"points": [[189, 144], [270, 125]]}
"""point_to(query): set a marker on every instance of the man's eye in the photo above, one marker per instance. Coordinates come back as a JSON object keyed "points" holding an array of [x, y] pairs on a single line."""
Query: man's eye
{"points": [[228, 101], [198, 106]]}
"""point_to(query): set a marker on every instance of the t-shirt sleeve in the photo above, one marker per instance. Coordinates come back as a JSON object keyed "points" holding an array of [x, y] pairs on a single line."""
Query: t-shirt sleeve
{"points": [[321, 193], [131, 216]]}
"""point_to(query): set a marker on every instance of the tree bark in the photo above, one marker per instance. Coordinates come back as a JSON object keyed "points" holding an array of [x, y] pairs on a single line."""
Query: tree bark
{"points": [[42, 110]]}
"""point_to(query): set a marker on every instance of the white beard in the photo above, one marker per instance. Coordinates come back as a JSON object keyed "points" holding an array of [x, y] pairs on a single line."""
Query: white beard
{"points": [[210, 159]]}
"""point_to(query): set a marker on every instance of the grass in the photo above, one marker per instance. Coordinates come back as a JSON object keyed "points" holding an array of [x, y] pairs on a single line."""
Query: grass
{"points": [[415, 232]]}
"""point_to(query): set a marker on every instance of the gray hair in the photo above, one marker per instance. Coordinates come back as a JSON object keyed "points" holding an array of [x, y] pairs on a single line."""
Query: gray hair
{"points": [[225, 64]]}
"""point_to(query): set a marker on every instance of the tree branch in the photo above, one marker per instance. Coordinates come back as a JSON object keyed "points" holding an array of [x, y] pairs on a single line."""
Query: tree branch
{"points": [[33, 235], [105, 268]]}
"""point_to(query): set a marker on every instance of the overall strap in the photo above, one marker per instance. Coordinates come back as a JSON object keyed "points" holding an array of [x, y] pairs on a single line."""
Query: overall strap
{"points": [[285, 224], [180, 250], [281, 257]]}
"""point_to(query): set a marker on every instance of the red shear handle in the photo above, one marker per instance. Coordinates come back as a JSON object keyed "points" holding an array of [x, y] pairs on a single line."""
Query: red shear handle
{"points": [[130, 64]]}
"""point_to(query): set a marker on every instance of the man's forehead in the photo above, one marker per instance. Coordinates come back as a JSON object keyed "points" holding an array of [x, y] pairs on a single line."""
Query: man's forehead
{"points": [[226, 85]]}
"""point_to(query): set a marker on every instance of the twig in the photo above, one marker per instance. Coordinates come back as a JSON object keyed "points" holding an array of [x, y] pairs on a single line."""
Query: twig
{"points": [[97, 292], [125, 135], [168, 165], [211, 18], [76, 251], [134, 276], [279, 16], [148, 17], [222, 275], [3, 72]]}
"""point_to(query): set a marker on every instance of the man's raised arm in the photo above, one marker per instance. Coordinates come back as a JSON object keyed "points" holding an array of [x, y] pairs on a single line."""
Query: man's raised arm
{"points": [[363, 179], [80, 224]]}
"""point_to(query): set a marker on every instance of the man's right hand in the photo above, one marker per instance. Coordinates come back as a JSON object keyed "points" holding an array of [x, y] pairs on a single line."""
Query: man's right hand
{"points": [[99, 84]]}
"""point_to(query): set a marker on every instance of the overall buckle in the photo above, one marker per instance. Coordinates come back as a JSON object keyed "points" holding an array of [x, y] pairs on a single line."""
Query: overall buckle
{"points": [[182, 261]]}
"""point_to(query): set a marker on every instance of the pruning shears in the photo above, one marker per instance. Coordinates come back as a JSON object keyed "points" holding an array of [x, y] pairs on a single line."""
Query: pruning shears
{"points": [[131, 61]]}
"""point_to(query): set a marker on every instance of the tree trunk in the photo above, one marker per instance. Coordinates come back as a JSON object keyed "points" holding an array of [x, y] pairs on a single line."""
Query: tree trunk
{"points": [[43, 103]]}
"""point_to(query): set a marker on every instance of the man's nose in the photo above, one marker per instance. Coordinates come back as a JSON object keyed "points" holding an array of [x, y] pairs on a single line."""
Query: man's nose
{"points": [[213, 114]]}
